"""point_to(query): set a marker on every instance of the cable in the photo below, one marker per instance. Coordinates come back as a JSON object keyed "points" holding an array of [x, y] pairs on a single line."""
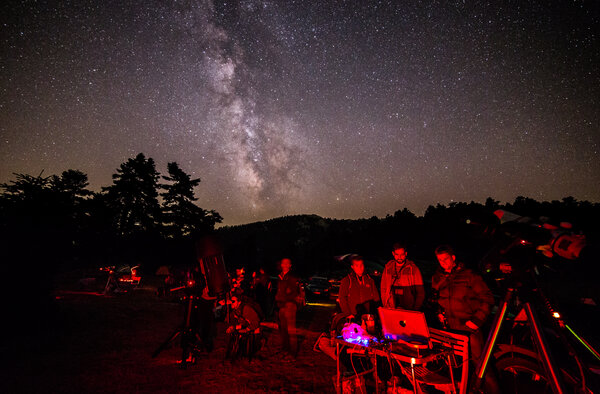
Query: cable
{"points": [[355, 373]]}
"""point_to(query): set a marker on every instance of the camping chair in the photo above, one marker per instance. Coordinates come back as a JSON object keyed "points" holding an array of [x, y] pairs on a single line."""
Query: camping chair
{"points": [[458, 344]]}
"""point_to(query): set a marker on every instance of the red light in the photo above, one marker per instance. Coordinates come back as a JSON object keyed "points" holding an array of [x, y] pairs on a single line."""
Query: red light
{"points": [[505, 268], [190, 283]]}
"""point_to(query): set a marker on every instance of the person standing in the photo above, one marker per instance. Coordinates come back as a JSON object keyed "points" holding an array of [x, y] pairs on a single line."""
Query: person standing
{"points": [[465, 301], [401, 282], [358, 293], [288, 291]]}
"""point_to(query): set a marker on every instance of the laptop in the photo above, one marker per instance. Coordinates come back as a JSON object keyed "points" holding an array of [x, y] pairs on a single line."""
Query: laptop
{"points": [[404, 326]]}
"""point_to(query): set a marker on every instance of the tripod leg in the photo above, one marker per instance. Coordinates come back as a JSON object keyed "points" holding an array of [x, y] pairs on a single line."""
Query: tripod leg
{"points": [[186, 333], [491, 341], [166, 343], [187, 338], [542, 347]]}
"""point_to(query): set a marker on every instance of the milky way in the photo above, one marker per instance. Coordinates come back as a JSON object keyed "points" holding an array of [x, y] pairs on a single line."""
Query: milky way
{"points": [[343, 109]]}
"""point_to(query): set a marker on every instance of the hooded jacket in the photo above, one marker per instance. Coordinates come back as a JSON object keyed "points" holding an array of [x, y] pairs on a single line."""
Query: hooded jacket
{"points": [[355, 291]]}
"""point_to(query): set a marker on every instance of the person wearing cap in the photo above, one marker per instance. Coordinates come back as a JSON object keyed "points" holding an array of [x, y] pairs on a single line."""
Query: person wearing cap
{"points": [[358, 293], [401, 282]]}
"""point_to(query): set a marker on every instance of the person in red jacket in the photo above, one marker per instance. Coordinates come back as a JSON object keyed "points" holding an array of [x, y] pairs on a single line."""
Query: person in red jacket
{"points": [[358, 293], [401, 282]]}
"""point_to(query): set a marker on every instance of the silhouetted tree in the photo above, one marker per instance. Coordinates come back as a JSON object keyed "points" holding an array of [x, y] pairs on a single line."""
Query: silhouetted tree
{"points": [[73, 183], [39, 229], [181, 217], [70, 192], [133, 196], [525, 206], [491, 204], [25, 188]]}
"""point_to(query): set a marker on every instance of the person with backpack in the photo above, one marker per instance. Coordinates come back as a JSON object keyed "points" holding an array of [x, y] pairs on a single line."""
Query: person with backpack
{"points": [[287, 299]]}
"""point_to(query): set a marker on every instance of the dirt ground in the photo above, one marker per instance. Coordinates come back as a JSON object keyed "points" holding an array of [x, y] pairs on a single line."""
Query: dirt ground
{"points": [[93, 343], [84, 342]]}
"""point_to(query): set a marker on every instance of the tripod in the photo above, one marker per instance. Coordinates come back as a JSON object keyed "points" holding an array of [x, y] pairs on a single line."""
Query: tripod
{"points": [[517, 358], [188, 334]]}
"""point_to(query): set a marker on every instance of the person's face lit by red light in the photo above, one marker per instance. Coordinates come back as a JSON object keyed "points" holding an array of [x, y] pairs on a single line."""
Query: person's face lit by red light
{"points": [[400, 255], [235, 302], [358, 266], [447, 261], [286, 266]]}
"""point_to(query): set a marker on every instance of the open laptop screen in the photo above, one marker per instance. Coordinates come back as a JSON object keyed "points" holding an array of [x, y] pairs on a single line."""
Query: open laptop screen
{"points": [[401, 324]]}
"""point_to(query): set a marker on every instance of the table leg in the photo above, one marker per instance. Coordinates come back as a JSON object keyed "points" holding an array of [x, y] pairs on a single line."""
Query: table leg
{"points": [[375, 376], [412, 371], [338, 380], [451, 373]]}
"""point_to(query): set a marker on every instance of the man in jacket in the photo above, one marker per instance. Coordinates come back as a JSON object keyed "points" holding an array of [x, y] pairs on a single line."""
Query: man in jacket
{"points": [[244, 331], [465, 301], [401, 282], [357, 290], [288, 291]]}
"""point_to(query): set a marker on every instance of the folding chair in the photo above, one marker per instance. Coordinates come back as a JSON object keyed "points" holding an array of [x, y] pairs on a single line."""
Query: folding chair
{"points": [[458, 344]]}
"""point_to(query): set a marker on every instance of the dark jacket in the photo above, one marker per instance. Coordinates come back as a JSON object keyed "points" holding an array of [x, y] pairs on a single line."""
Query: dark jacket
{"points": [[355, 291], [247, 316], [406, 281], [463, 295], [288, 289]]}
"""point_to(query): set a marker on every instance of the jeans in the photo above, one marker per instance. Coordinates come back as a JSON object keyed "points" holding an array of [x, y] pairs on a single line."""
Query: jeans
{"points": [[287, 328]]}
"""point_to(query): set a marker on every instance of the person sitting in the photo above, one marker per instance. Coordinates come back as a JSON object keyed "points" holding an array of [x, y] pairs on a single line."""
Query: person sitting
{"points": [[244, 336]]}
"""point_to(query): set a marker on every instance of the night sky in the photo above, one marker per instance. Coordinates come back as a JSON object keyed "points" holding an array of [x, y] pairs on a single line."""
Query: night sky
{"points": [[344, 109]]}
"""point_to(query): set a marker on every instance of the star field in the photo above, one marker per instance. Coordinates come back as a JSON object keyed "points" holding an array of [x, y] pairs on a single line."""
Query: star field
{"points": [[341, 108]]}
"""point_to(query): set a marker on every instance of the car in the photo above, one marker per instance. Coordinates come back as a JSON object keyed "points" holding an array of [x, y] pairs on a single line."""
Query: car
{"points": [[317, 287], [334, 289]]}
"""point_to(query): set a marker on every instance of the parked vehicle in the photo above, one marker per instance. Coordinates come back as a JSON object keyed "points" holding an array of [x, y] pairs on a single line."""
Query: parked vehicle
{"points": [[334, 289], [120, 279], [317, 287]]}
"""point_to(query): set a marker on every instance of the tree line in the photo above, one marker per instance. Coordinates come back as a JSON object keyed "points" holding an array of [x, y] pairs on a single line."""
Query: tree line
{"points": [[313, 241], [51, 224]]}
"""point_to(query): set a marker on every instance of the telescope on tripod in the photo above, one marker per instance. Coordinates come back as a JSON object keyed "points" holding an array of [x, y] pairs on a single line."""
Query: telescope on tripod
{"points": [[207, 280], [529, 339]]}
